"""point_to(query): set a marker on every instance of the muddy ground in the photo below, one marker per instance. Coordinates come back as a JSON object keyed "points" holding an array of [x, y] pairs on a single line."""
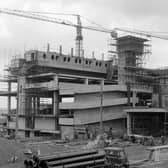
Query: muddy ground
{"points": [[9, 148]]}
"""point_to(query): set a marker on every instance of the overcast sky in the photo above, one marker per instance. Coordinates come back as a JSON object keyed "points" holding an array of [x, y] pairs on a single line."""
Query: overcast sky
{"points": [[18, 34]]}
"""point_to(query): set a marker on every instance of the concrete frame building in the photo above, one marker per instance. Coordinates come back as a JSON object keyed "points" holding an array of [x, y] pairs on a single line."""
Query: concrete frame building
{"points": [[66, 95]]}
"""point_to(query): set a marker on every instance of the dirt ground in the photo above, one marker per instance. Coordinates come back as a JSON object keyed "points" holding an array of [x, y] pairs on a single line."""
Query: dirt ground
{"points": [[8, 148]]}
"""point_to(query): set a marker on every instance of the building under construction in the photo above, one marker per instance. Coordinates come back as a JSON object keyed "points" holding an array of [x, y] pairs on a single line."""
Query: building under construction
{"points": [[72, 96]]}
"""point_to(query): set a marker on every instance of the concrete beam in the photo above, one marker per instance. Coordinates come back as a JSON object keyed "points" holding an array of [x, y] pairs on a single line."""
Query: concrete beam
{"points": [[93, 104]]}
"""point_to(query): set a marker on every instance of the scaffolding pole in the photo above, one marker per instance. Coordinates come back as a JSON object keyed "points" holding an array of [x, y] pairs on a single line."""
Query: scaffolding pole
{"points": [[101, 107]]}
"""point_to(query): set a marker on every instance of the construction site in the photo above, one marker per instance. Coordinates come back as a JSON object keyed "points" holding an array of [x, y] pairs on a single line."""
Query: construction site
{"points": [[72, 98]]}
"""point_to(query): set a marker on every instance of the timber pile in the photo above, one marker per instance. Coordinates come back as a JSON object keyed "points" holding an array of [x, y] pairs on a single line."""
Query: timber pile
{"points": [[86, 158]]}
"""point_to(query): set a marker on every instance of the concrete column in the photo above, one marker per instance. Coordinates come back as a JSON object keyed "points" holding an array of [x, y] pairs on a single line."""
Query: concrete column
{"points": [[9, 97], [28, 112], [17, 111], [128, 124], [101, 106], [34, 111], [134, 99], [56, 103], [56, 107], [86, 81], [128, 93], [160, 97], [21, 100], [9, 101], [133, 122], [38, 105], [21, 95]]}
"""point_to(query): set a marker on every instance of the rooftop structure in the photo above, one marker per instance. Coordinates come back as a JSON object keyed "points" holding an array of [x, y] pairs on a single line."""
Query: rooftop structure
{"points": [[131, 56]]}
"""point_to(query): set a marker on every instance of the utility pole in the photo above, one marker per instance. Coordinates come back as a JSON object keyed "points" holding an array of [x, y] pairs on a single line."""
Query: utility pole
{"points": [[101, 107]]}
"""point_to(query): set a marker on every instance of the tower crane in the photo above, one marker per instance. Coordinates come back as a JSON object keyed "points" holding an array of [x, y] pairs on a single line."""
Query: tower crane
{"points": [[79, 36], [78, 26]]}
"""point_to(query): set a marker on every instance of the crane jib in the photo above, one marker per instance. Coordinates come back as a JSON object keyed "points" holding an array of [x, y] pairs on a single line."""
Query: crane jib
{"points": [[34, 15]]}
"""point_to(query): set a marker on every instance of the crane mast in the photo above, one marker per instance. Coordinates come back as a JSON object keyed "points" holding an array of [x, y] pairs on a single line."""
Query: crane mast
{"points": [[79, 38]]}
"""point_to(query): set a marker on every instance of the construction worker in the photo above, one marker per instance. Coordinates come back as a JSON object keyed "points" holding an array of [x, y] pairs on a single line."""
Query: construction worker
{"points": [[151, 141], [110, 133], [35, 161], [162, 139], [87, 132]]}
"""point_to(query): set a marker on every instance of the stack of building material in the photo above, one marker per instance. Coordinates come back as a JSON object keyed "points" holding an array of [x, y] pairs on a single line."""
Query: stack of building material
{"points": [[81, 159]]}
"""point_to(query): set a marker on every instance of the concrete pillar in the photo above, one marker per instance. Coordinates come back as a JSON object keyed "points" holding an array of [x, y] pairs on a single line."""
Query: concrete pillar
{"points": [[56, 107], [9, 101], [56, 103], [9, 97], [21, 100], [155, 100], [101, 107], [38, 105], [134, 99], [86, 81], [160, 97], [128, 124], [21, 95], [133, 122], [28, 112], [34, 111], [17, 111], [129, 93]]}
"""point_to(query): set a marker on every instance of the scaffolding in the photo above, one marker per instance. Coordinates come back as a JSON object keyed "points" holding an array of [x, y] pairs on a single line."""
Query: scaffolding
{"points": [[132, 53], [112, 49]]}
